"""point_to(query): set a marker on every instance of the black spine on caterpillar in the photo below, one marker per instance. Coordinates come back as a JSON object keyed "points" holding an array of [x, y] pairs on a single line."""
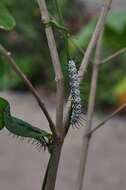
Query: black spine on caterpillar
{"points": [[75, 93]]}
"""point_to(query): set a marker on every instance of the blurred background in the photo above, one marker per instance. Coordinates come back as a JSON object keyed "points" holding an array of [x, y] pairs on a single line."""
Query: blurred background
{"points": [[20, 167], [28, 44]]}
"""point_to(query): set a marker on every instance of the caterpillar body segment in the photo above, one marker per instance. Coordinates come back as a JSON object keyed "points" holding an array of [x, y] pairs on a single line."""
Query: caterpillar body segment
{"points": [[75, 93]]}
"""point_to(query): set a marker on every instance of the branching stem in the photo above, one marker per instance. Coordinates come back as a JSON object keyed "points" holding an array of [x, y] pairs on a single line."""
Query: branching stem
{"points": [[56, 64], [92, 131], [113, 56], [55, 157], [88, 53], [15, 67], [86, 139]]}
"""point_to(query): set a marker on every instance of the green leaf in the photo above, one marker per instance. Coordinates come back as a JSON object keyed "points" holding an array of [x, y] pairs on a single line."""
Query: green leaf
{"points": [[84, 36], [21, 128], [7, 22], [117, 20], [3, 104], [121, 87]]}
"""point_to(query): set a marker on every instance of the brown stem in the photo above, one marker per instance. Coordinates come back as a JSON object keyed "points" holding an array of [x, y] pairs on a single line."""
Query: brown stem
{"points": [[89, 51], [56, 64], [99, 27], [53, 168], [55, 157], [106, 119], [86, 140], [113, 56], [29, 85]]}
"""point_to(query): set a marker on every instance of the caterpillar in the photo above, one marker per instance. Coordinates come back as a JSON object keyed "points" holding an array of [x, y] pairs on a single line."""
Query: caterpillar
{"points": [[21, 128], [75, 93]]}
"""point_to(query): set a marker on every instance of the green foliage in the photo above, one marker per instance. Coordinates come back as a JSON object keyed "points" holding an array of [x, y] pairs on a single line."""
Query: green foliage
{"points": [[115, 27], [111, 73], [82, 39], [25, 42], [117, 21], [121, 87], [21, 128], [3, 104], [29, 44], [7, 22], [33, 56]]}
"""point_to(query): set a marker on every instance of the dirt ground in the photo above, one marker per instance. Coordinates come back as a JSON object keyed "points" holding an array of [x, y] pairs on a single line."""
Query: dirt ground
{"points": [[22, 166]]}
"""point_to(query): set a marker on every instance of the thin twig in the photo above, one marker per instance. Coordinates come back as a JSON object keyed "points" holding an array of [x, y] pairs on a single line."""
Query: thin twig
{"points": [[90, 112], [29, 85], [113, 56], [88, 53], [92, 131], [99, 27], [56, 64]]}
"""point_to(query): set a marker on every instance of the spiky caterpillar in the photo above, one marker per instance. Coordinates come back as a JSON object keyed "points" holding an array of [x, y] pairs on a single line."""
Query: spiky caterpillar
{"points": [[75, 92], [21, 128]]}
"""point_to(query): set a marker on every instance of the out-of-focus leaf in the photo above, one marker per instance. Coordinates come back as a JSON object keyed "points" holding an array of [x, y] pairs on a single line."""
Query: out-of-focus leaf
{"points": [[84, 36], [7, 22], [120, 87], [117, 20]]}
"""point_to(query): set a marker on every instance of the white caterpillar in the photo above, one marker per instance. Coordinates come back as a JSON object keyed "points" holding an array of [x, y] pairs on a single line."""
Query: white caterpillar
{"points": [[75, 92]]}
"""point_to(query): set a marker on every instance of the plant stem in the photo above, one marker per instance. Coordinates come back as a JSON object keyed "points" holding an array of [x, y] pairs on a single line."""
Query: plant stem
{"points": [[86, 139], [92, 131], [15, 67], [99, 27], [56, 64], [113, 56], [88, 53], [55, 157], [53, 168]]}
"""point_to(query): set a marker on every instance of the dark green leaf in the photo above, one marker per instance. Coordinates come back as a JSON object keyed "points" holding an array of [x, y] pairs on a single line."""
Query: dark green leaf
{"points": [[84, 36], [7, 22], [3, 104], [117, 20], [21, 128]]}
